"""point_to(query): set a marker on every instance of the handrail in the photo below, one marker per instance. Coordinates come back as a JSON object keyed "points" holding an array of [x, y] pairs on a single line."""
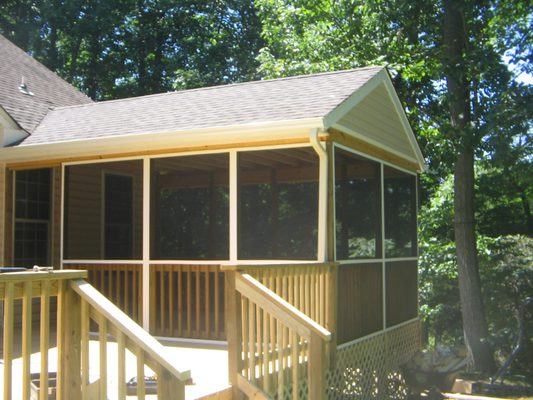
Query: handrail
{"points": [[138, 336], [279, 308], [271, 344], [77, 303]]}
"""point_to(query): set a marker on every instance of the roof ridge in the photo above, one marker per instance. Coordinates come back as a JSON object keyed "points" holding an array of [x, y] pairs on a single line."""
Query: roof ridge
{"points": [[221, 86]]}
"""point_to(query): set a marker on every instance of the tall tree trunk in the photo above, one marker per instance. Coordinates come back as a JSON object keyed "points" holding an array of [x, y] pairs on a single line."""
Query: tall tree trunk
{"points": [[458, 84]]}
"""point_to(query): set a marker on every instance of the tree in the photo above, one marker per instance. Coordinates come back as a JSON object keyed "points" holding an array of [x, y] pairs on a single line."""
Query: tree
{"points": [[447, 62], [122, 48]]}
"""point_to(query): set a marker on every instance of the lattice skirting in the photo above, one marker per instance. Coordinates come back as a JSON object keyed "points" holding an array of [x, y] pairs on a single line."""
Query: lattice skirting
{"points": [[369, 368]]}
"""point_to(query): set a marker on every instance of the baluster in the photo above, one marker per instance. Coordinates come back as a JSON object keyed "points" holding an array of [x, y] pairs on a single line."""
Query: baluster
{"points": [[44, 340]]}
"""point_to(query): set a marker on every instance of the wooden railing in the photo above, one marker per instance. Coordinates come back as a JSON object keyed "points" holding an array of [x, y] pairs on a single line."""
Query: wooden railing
{"points": [[121, 283], [77, 304], [273, 348], [187, 301], [311, 288]]}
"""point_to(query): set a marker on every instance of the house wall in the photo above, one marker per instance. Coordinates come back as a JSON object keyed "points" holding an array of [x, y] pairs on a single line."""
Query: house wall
{"points": [[8, 218]]}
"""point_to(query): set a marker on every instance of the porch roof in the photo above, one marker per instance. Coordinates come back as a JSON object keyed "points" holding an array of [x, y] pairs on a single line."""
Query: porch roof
{"points": [[268, 101]]}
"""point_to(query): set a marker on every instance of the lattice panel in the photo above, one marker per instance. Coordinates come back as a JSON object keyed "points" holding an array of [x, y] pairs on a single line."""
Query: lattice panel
{"points": [[402, 343], [368, 369], [359, 370]]}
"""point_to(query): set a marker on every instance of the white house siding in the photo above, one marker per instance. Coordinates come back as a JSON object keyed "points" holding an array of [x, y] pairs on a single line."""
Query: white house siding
{"points": [[375, 118]]}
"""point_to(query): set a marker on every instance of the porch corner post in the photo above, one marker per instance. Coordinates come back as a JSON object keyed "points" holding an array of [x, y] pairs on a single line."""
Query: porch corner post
{"points": [[233, 330], [322, 194], [146, 246], [68, 343], [316, 373]]}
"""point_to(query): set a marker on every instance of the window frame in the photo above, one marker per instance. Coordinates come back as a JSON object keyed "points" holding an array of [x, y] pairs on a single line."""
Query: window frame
{"points": [[25, 220], [383, 163]]}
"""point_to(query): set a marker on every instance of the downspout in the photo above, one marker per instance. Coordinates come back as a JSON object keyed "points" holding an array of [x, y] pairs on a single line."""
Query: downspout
{"points": [[322, 193]]}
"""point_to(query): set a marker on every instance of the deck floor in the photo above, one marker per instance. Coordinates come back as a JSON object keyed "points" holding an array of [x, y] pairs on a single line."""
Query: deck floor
{"points": [[208, 366]]}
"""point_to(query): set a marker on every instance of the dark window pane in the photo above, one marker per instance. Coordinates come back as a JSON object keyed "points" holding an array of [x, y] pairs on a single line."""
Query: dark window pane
{"points": [[32, 194], [278, 204], [118, 216], [400, 213], [357, 206], [190, 207], [31, 244]]}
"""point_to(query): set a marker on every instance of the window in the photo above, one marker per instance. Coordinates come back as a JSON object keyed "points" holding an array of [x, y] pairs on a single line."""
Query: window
{"points": [[190, 207], [103, 211], [400, 213], [32, 217], [357, 207], [118, 217], [278, 204]]}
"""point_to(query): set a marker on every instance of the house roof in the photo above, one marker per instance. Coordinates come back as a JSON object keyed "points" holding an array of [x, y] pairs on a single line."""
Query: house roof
{"points": [[57, 121], [274, 100], [47, 89]]}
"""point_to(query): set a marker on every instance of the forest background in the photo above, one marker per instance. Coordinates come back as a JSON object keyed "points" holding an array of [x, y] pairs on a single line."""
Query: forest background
{"points": [[462, 68]]}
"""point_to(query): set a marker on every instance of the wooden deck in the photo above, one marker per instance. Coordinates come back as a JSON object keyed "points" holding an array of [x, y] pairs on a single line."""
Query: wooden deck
{"points": [[209, 369]]}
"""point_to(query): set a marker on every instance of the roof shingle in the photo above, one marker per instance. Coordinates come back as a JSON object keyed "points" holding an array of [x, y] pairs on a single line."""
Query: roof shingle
{"points": [[237, 104], [48, 90]]}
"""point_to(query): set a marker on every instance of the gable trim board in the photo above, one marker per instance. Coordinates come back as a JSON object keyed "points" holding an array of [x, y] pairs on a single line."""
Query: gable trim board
{"points": [[338, 118]]}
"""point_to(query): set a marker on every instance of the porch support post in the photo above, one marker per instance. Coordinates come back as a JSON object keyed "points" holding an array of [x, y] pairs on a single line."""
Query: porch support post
{"points": [[233, 207], [322, 194], [146, 245], [233, 331]]}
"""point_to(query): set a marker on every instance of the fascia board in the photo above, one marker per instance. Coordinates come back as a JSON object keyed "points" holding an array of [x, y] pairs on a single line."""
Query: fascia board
{"points": [[376, 143], [227, 135]]}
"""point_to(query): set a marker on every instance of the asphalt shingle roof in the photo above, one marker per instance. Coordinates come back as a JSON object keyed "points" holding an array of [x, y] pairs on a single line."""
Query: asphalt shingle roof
{"points": [[245, 103], [48, 89]]}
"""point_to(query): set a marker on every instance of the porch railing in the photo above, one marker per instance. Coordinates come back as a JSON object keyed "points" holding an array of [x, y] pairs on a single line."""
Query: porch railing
{"points": [[121, 283], [274, 349], [78, 303], [311, 288]]}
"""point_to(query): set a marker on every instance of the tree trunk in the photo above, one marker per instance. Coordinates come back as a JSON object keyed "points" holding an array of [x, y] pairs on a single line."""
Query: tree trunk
{"points": [[474, 323], [458, 85]]}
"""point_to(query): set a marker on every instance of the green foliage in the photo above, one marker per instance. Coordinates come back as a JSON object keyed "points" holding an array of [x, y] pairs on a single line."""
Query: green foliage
{"points": [[506, 267], [124, 48], [506, 270]]}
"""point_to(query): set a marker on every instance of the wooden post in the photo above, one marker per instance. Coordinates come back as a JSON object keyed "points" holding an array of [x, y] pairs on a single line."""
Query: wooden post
{"points": [[331, 319], [233, 331], [8, 338], [69, 343], [316, 369], [168, 387]]}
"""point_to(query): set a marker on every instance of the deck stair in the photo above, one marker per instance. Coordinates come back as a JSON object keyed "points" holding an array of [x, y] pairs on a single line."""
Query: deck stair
{"points": [[80, 309]]}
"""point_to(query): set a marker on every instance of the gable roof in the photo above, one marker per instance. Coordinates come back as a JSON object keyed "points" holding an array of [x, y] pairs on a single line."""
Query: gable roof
{"points": [[47, 89], [274, 100], [65, 123]]}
